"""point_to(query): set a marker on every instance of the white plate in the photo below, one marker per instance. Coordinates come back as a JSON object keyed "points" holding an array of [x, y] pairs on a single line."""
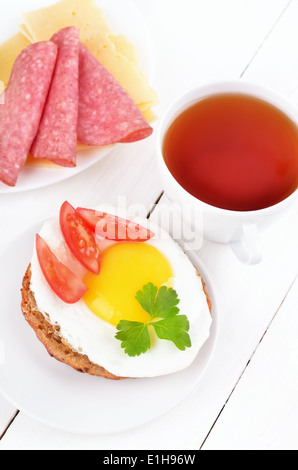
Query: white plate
{"points": [[124, 18], [55, 394]]}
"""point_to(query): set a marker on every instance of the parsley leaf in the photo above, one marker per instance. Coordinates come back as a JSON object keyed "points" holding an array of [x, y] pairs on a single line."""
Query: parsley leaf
{"points": [[146, 298], [134, 336], [174, 329], [161, 304]]}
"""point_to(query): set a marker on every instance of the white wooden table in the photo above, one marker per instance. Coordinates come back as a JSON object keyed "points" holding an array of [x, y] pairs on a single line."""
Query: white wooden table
{"points": [[248, 396]]}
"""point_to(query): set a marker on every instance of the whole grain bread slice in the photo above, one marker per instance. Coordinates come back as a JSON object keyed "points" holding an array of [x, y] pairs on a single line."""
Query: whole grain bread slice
{"points": [[50, 336]]}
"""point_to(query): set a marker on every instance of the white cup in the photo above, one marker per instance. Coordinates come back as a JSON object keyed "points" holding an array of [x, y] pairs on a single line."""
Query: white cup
{"points": [[239, 229]]}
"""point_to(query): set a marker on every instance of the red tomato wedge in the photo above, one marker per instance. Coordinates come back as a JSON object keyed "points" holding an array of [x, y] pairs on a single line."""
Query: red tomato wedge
{"points": [[63, 282], [115, 228], [79, 238]]}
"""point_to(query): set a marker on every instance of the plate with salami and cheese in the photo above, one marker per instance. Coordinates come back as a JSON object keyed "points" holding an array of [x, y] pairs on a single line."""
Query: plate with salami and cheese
{"points": [[75, 81]]}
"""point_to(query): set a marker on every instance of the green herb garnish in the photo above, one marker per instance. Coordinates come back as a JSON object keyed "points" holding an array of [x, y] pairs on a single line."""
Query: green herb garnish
{"points": [[161, 304]]}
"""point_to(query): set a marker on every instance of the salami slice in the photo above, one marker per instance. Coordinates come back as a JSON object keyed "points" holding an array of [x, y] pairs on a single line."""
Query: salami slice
{"points": [[25, 98], [107, 114], [57, 136]]}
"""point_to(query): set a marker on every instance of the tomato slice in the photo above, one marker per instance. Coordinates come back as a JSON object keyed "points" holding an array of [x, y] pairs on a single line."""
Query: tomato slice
{"points": [[112, 227], [63, 282], [79, 238]]}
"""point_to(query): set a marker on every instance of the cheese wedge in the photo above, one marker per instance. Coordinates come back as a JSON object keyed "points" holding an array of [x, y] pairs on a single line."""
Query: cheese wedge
{"points": [[24, 31], [43, 23], [149, 115], [124, 47], [113, 51]]}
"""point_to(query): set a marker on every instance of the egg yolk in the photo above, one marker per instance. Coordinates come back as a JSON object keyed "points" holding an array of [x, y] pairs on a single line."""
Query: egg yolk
{"points": [[125, 269]]}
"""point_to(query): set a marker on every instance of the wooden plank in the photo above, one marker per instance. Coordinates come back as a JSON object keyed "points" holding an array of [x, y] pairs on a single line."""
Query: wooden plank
{"points": [[247, 303], [248, 297], [7, 413], [264, 407], [201, 40], [276, 62], [126, 177]]}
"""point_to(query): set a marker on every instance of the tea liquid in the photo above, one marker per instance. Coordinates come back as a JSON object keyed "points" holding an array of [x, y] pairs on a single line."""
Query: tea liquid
{"points": [[234, 151]]}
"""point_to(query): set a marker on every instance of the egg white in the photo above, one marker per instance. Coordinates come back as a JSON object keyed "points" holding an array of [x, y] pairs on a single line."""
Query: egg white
{"points": [[94, 337]]}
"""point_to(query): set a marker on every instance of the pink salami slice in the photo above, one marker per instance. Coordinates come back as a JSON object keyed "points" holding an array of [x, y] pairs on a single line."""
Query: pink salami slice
{"points": [[57, 136], [107, 114], [24, 102]]}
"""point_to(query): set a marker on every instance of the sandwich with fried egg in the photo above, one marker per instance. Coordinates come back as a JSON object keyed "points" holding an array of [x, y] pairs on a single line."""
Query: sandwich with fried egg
{"points": [[114, 298]]}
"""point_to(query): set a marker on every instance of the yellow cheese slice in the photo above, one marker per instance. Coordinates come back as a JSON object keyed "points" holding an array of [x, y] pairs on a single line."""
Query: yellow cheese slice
{"points": [[113, 51], [9, 51], [42, 24], [40, 163], [124, 47], [149, 115], [24, 31]]}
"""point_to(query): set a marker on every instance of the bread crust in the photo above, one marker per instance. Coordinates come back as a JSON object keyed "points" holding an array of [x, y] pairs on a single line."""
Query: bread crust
{"points": [[49, 336], [56, 346]]}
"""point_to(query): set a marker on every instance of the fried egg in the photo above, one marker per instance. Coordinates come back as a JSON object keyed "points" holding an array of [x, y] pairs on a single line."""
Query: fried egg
{"points": [[89, 326]]}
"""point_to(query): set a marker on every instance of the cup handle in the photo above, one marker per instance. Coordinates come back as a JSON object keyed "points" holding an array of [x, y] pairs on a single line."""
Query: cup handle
{"points": [[248, 247]]}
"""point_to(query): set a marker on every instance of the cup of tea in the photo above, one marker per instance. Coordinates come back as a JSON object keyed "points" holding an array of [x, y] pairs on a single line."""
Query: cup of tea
{"points": [[230, 150]]}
